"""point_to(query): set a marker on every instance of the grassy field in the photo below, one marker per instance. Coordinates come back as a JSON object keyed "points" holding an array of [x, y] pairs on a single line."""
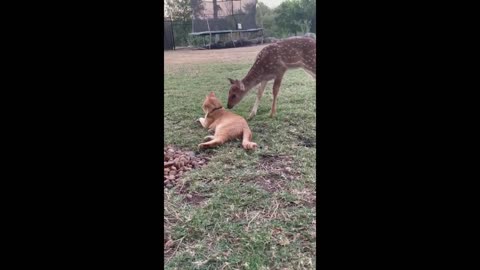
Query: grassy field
{"points": [[245, 210]]}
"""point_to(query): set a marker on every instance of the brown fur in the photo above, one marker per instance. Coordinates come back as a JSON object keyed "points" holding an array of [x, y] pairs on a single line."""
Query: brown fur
{"points": [[271, 64], [225, 125]]}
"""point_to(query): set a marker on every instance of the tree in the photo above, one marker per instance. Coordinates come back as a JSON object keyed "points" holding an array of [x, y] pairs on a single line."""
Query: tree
{"points": [[262, 11], [197, 7], [287, 16], [309, 13], [179, 9], [265, 18], [294, 16], [181, 12]]}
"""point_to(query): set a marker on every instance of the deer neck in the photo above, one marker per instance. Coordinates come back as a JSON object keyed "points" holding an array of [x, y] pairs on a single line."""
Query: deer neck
{"points": [[251, 80]]}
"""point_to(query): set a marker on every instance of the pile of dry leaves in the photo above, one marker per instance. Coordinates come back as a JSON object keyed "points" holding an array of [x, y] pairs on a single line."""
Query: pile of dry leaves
{"points": [[177, 162]]}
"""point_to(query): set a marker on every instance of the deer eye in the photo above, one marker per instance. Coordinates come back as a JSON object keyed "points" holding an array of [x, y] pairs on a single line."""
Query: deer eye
{"points": [[233, 96]]}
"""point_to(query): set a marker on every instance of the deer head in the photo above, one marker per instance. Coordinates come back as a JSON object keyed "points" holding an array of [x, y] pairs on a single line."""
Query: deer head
{"points": [[236, 93]]}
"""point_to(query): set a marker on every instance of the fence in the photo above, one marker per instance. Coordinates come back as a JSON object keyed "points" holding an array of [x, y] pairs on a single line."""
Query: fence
{"points": [[220, 15], [168, 36], [176, 34], [181, 31]]}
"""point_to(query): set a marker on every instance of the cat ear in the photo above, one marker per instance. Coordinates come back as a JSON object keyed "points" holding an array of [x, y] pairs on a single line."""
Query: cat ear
{"points": [[232, 81]]}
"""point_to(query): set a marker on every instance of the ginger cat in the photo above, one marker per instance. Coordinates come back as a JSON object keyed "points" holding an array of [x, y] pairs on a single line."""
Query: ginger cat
{"points": [[226, 125]]}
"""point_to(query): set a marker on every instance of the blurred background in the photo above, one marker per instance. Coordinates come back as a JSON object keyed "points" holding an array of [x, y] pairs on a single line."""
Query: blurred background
{"points": [[216, 24]]}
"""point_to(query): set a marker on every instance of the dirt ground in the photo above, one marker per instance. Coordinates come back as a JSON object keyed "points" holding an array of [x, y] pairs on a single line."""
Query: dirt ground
{"points": [[239, 55]]}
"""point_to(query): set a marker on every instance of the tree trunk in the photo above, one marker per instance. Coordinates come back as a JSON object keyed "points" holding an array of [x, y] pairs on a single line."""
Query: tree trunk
{"points": [[215, 10], [215, 15]]}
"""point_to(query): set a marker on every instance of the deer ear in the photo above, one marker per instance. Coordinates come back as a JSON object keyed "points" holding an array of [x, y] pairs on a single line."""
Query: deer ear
{"points": [[232, 81], [242, 86]]}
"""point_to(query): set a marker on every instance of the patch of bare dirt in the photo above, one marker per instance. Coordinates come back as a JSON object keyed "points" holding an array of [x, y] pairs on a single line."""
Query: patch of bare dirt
{"points": [[311, 203], [194, 198], [305, 141], [278, 164], [279, 169], [302, 139], [177, 162], [168, 246], [270, 183], [241, 54], [305, 197]]}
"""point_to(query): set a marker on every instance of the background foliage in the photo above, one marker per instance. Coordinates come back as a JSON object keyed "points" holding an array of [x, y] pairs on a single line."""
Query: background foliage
{"points": [[291, 18]]}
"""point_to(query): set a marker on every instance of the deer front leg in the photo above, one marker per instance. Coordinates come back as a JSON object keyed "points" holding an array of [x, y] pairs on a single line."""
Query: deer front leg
{"points": [[257, 101], [276, 89]]}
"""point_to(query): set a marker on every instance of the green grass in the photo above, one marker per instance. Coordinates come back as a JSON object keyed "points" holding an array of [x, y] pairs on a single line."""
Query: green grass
{"points": [[258, 208]]}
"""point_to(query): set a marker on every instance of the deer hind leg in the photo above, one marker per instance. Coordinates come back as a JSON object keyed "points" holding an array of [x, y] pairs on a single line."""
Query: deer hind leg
{"points": [[257, 101], [276, 89]]}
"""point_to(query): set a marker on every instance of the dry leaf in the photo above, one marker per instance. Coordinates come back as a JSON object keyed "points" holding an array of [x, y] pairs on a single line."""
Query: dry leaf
{"points": [[284, 241], [169, 243], [200, 263]]}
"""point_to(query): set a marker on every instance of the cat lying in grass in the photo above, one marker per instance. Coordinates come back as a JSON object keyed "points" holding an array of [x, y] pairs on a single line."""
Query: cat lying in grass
{"points": [[225, 125]]}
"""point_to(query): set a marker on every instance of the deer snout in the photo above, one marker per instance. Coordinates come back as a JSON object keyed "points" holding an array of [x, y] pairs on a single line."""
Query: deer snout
{"points": [[229, 106]]}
